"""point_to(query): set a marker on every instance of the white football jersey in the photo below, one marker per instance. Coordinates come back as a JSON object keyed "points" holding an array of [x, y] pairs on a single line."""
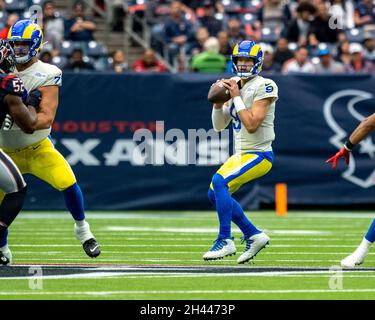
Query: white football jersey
{"points": [[38, 75], [255, 89]]}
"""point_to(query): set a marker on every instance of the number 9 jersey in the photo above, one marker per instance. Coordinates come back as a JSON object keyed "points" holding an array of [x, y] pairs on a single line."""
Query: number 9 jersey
{"points": [[38, 75], [255, 89]]}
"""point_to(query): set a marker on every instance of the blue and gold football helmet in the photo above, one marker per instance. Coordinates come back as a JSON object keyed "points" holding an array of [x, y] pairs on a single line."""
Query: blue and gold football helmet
{"points": [[29, 32], [248, 49]]}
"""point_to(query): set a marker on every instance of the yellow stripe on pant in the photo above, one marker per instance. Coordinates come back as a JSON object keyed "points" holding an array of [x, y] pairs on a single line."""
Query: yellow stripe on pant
{"points": [[242, 168], [45, 162]]}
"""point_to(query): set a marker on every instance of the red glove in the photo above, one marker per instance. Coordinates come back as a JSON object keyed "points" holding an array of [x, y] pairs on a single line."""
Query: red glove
{"points": [[343, 153]]}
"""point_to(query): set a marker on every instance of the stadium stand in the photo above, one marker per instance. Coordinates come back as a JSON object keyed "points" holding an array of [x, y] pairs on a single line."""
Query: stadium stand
{"points": [[171, 28]]}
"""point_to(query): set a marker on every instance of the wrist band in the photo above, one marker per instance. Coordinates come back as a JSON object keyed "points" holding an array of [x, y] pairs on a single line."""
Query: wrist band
{"points": [[238, 104], [349, 146]]}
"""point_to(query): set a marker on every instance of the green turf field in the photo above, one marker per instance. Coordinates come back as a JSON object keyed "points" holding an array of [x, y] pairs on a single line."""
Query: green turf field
{"points": [[158, 255]]}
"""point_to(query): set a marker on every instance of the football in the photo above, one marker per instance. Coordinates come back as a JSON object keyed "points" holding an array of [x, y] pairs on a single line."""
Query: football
{"points": [[218, 93]]}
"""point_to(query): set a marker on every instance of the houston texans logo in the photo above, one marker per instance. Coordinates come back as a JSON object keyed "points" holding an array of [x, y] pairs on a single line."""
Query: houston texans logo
{"points": [[340, 135]]}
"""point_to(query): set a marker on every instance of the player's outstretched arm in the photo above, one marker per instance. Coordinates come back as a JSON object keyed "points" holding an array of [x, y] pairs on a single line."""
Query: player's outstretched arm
{"points": [[48, 106], [24, 117], [361, 132]]}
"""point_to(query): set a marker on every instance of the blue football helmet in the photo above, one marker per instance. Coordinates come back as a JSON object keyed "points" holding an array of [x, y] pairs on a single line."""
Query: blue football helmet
{"points": [[248, 49], [29, 32]]}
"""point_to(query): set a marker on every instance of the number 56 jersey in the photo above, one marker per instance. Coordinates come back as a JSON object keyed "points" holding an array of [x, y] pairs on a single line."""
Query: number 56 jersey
{"points": [[38, 75], [255, 89]]}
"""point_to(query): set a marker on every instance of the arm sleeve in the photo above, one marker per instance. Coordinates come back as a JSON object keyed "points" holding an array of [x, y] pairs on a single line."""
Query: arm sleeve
{"points": [[220, 118], [268, 89]]}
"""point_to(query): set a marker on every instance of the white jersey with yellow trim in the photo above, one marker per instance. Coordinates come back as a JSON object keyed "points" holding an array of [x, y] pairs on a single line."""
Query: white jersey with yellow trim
{"points": [[38, 75], [255, 89]]}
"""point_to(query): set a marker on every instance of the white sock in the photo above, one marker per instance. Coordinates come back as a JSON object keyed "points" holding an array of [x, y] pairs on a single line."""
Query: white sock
{"points": [[5, 248], [364, 247], [80, 223]]}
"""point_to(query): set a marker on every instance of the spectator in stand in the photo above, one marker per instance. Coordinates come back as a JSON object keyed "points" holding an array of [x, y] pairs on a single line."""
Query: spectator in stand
{"points": [[11, 20], [224, 46], [46, 57], [53, 25], [343, 10], [200, 38], [177, 30], [298, 29], [282, 52], [119, 64], [369, 45], [359, 64], [364, 13], [235, 33], [274, 14], [210, 60], [269, 65], [300, 63], [343, 54], [77, 62], [326, 63], [320, 31], [209, 20], [148, 63], [79, 28]]}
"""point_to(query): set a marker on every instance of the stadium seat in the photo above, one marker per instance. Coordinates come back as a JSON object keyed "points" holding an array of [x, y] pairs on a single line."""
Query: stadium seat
{"points": [[67, 47], [268, 35], [96, 49], [292, 46], [102, 63], [355, 35], [60, 61], [248, 18], [16, 5]]}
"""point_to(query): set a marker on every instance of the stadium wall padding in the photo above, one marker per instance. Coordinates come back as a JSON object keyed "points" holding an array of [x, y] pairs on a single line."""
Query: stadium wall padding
{"points": [[99, 113]]}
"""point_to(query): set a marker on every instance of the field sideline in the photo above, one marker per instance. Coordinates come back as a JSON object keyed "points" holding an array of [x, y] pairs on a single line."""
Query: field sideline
{"points": [[158, 255]]}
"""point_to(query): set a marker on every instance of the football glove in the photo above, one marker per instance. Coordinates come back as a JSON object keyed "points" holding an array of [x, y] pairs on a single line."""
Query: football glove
{"points": [[343, 153], [7, 123], [34, 99]]}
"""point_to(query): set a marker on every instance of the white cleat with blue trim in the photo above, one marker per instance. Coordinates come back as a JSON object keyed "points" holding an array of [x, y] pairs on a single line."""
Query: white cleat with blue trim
{"points": [[222, 248], [254, 244]]}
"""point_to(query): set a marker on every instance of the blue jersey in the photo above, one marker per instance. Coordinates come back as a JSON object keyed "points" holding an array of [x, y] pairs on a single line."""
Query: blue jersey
{"points": [[9, 84]]}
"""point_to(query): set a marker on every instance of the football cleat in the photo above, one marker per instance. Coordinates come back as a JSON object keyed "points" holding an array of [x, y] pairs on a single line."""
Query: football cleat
{"points": [[4, 261], [254, 244], [87, 239], [221, 248], [91, 248], [351, 261], [7, 254]]}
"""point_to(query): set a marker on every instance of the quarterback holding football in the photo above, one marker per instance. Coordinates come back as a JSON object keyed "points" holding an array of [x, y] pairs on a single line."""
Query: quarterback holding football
{"points": [[251, 110]]}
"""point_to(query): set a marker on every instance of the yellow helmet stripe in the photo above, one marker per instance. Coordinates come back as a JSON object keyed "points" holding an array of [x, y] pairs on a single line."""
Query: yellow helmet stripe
{"points": [[235, 49], [254, 50], [10, 32], [28, 31]]}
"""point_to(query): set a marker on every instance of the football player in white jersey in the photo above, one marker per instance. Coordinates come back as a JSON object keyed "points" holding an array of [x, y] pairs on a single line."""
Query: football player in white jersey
{"points": [[251, 110], [35, 153]]}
